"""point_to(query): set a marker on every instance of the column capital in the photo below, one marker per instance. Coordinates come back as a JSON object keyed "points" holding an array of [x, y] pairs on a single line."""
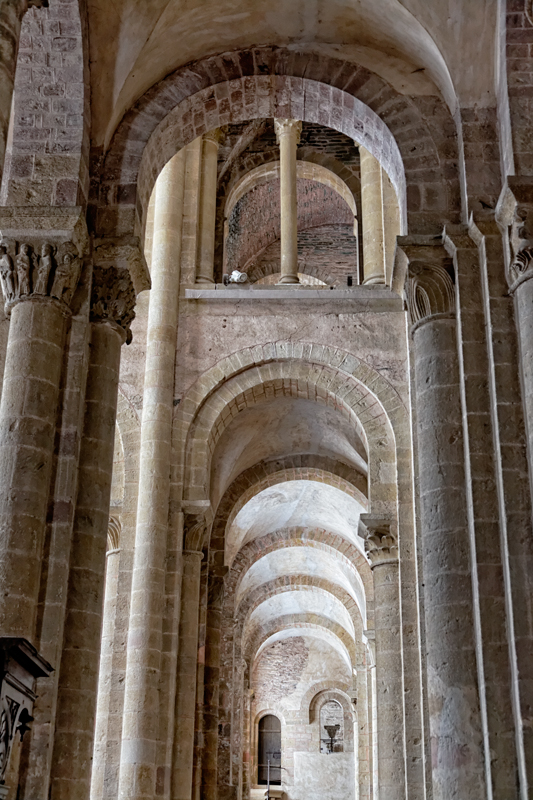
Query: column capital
{"points": [[287, 126], [194, 531], [114, 529], [429, 278], [41, 252], [124, 252], [217, 136], [381, 541], [514, 213], [113, 298]]}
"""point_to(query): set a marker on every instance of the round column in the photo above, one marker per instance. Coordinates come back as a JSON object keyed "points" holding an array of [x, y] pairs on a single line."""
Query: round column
{"points": [[183, 754], [391, 223], [208, 207], [28, 413], [105, 670], [382, 550], [288, 136], [372, 218], [137, 774], [457, 753], [114, 297]]}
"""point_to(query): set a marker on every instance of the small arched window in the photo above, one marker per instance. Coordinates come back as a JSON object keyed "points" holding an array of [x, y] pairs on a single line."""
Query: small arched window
{"points": [[331, 728], [269, 750]]}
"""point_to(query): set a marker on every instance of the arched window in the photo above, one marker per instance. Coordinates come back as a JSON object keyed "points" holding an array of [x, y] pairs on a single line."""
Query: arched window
{"points": [[269, 750], [331, 728]]}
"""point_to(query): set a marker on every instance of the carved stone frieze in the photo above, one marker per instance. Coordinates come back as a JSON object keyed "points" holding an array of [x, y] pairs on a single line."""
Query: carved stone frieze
{"points": [[46, 271], [20, 665], [113, 298], [429, 291], [381, 542]]}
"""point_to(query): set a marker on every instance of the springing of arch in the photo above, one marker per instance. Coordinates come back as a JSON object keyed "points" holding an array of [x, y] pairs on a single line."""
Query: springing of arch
{"points": [[268, 81]]}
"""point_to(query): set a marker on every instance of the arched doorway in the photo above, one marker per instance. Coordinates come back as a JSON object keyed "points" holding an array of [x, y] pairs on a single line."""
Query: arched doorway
{"points": [[269, 749]]}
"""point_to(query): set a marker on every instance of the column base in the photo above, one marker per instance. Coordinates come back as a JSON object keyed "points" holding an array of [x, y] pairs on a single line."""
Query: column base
{"points": [[205, 281], [377, 281], [288, 279]]}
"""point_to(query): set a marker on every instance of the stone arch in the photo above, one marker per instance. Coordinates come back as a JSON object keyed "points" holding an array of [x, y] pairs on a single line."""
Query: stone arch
{"points": [[314, 692], [288, 583], [415, 134], [253, 641], [304, 169], [298, 537], [324, 696], [49, 165], [306, 154], [331, 376]]}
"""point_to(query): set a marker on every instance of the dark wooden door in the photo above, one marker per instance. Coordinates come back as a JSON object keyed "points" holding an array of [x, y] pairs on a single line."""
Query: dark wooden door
{"points": [[269, 749]]}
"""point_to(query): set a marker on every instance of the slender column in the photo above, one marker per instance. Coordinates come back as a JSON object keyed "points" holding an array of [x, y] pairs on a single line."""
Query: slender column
{"points": [[453, 698], [187, 669], [288, 136], [112, 304], [137, 775], [382, 550], [208, 206], [372, 218], [391, 223], [105, 670], [211, 687], [364, 730]]}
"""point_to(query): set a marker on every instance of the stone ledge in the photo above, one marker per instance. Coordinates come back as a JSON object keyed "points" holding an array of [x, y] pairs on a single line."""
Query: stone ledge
{"points": [[360, 298]]}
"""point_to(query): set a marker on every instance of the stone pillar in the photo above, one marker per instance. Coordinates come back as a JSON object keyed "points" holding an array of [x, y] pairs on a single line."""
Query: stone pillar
{"points": [[382, 550], [288, 135], [183, 754], [137, 775], [457, 752], [391, 224], [38, 280], [112, 303], [372, 218], [211, 687], [11, 13], [105, 670], [208, 207]]}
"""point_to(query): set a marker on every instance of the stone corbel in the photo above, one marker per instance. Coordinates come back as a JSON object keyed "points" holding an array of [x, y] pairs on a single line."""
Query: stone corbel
{"points": [[41, 253], [514, 214], [381, 540], [20, 665], [124, 253]]}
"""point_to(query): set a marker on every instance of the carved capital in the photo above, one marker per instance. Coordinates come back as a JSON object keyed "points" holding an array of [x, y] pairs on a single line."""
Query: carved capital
{"points": [[39, 270], [20, 665], [430, 291], [381, 542], [114, 529], [521, 246], [194, 530], [284, 127], [125, 253], [215, 590], [217, 136], [113, 298]]}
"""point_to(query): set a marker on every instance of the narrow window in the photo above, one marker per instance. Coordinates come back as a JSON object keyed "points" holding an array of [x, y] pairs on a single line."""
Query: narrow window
{"points": [[331, 727], [269, 750]]}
